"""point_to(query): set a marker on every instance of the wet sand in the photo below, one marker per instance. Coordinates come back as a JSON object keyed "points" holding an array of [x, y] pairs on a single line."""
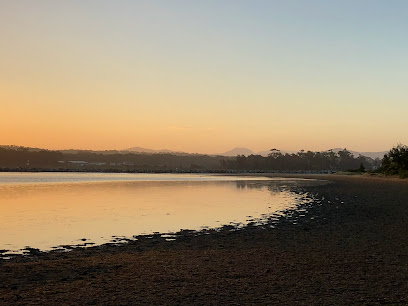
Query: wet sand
{"points": [[350, 247]]}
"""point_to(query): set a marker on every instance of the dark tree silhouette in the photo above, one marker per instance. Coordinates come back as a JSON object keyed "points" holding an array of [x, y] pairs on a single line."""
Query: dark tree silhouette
{"points": [[301, 161], [396, 161]]}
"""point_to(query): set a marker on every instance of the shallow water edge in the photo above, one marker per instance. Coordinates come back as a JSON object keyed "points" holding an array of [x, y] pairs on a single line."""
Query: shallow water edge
{"points": [[299, 215]]}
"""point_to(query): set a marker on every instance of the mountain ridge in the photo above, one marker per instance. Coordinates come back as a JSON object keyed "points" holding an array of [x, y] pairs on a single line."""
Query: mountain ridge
{"points": [[145, 150], [231, 153]]}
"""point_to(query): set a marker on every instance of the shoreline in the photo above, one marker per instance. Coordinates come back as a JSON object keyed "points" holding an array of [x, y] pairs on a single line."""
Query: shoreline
{"points": [[349, 247]]}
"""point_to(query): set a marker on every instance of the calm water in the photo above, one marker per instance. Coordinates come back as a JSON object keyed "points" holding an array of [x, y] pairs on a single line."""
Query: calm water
{"points": [[44, 210]]}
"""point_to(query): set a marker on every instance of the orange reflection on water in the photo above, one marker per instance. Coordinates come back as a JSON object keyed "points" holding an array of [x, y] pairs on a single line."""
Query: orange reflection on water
{"points": [[51, 214]]}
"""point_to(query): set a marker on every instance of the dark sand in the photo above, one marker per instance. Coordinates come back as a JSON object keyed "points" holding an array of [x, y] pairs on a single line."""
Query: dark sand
{"points": [[351, 249]]}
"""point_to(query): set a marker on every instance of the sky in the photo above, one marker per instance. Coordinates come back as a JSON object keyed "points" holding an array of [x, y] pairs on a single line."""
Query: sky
{"points": [[204, 76]]}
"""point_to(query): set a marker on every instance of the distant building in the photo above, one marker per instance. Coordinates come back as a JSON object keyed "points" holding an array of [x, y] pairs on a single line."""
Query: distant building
{"points": [[78, 162]]}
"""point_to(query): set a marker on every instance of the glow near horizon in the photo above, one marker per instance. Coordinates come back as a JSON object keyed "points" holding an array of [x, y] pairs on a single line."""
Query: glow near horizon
{"points": [[204, 76]]}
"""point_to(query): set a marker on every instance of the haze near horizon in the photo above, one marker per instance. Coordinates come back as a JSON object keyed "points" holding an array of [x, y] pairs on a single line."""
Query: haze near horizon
{"points": [[204, 76]]}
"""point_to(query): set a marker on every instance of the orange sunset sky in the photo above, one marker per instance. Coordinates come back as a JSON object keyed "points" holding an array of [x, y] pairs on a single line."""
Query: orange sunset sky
{"points": [[204, 76]]}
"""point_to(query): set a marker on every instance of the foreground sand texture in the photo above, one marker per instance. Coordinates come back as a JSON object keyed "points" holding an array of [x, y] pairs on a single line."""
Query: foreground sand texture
{"points": [[351, 249]]}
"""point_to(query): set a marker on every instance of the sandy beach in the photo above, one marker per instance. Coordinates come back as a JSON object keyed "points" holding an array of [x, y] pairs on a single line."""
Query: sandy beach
{"points": [[350, 247]]}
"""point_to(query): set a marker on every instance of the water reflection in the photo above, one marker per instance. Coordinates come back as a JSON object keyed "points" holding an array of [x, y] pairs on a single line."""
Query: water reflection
{"points": [[276, 185], [50, 214], [272, 187]]}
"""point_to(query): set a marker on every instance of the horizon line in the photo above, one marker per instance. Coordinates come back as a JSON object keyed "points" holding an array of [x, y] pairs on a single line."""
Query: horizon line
{"points": [[185, 152]]}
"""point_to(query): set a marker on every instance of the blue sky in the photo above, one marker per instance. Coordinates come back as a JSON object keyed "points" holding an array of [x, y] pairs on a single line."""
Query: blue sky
{"points": [[204, 76]]}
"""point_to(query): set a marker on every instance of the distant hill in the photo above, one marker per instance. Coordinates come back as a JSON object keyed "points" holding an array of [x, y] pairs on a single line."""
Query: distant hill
{"points": [[12, 147], [237, 151], [231, 153], [151, 151], [373, 155]]}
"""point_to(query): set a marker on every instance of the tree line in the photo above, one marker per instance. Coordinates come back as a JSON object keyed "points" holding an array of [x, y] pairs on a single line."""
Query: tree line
{"points": [[395, 162], [23, 157], [303, 161]]}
